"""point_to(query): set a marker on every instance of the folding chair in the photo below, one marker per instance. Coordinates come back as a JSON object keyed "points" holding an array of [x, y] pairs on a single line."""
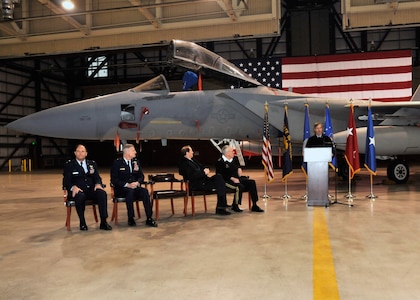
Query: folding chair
{"points": [[170, 193]]}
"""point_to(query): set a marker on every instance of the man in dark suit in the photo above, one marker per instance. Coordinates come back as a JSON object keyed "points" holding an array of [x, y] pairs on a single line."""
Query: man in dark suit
{"points": [[127, 176], [228, 167], [198, 177], [319, 139], [82, 181]]}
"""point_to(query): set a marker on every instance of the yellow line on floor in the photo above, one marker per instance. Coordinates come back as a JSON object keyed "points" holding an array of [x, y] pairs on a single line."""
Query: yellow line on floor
{"points": [[324, 280]]}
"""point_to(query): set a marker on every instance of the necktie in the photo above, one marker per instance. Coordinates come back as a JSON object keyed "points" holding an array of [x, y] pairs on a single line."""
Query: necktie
{"points": [[83, 166], [129, 165]]}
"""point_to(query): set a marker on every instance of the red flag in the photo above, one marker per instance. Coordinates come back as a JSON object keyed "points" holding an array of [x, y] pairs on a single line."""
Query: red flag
{"points": [[352, 147]]}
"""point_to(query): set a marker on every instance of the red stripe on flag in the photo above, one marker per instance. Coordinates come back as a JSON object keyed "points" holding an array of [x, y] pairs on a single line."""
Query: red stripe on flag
{"points": [[347, 57], [348, 72], [350, 88]]}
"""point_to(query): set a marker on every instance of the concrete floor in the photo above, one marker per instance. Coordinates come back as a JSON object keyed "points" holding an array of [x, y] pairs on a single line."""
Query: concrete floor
{"points": [[374, 246]]}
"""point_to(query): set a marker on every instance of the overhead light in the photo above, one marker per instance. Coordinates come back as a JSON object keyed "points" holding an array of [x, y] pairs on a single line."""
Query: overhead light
{"points": [[67, 4], [7, 8]]}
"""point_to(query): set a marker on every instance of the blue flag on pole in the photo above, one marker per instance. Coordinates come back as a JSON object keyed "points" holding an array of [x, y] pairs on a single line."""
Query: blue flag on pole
{"points": [[370, 153], [306, 136], [328, 131]]}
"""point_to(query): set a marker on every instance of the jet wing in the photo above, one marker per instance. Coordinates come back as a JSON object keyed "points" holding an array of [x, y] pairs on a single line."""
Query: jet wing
{"points": [[404, 113]]}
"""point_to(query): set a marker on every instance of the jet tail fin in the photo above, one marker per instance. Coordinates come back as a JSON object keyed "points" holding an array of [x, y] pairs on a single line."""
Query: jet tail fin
{"points": [[416, 95], [234, 144]]}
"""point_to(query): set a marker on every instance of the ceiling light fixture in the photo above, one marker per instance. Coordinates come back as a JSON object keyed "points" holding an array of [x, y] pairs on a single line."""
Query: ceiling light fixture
{"points": [[67, 4]]}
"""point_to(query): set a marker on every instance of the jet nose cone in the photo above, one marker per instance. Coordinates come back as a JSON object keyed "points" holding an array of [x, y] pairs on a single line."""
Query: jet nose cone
{"points": [[18, 125], [65, 121]]}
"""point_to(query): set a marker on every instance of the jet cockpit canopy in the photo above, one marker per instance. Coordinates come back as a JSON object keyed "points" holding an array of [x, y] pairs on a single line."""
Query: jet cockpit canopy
{"points": [[197, 58]]}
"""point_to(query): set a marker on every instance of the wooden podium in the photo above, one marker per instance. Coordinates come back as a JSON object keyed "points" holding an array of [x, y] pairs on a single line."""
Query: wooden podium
{"points": [[317, 159]]}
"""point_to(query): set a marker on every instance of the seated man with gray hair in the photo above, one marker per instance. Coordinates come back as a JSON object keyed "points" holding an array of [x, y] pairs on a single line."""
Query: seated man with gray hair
{"points": [[228, 166]]}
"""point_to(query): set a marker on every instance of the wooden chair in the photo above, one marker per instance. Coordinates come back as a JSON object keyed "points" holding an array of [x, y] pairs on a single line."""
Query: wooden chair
{"points": [[117, 200], [71, 203], [170, 193], [197, 192]]}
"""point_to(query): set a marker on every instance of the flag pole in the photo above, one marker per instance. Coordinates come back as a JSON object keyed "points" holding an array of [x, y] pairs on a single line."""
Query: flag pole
{"points": [[265, 196], [305, 197], [286, 196], [349, 196], [371, 196]]}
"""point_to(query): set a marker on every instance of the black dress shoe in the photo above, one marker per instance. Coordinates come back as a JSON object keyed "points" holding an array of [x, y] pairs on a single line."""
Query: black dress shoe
{"points": [[151, 222], [223, 212], [236, 208], [256, 208], [131, 222], [83, 227], [105, 226]]}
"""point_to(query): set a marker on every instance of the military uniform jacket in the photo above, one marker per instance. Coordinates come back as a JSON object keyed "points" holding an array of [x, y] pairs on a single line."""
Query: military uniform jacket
{"points": [[74, 174], [120, 174]]}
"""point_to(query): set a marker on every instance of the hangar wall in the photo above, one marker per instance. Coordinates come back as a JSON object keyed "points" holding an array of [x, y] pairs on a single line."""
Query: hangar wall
{"points": [[38, 81]]}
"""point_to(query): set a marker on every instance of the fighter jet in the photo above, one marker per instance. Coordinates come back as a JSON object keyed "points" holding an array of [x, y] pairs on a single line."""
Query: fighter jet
{"points": [[236, 111]]}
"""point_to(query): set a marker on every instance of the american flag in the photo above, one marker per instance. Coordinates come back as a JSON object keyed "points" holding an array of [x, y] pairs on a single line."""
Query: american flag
{"points": [[266, 70], [384, 76], [267, 159]]}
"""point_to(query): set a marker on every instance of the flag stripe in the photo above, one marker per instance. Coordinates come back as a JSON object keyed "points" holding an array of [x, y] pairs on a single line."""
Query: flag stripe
{"points": [[350, 57], [378, 75], [267, 159], [345, 73], [404, 80], [398, 87]]}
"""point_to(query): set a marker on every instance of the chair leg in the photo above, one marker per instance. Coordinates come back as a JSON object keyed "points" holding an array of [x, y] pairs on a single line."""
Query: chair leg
{"points": [[193, 205], [115, 212], [172, 206], [186, 205], [94, 213], [138, 209], [156, 208], [205, 203], [249, 201], [68, 218]]}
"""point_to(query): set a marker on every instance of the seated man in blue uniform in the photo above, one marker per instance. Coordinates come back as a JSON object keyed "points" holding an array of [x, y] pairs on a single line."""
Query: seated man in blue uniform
{"points": [[82, 181], [199, 178], [127, 176], [228, 167]]}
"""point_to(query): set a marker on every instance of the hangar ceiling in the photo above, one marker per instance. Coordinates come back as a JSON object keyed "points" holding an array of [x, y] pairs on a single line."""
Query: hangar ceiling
{"points": [[374, 14], [44, 27]]}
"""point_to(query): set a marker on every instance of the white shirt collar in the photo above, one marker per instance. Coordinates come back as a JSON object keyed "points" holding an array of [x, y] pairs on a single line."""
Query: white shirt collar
{"points": [[226, 159]]}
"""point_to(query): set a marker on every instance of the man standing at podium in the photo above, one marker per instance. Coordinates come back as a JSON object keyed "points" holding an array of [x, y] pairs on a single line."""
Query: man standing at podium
{"points": [[319, 139]]}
